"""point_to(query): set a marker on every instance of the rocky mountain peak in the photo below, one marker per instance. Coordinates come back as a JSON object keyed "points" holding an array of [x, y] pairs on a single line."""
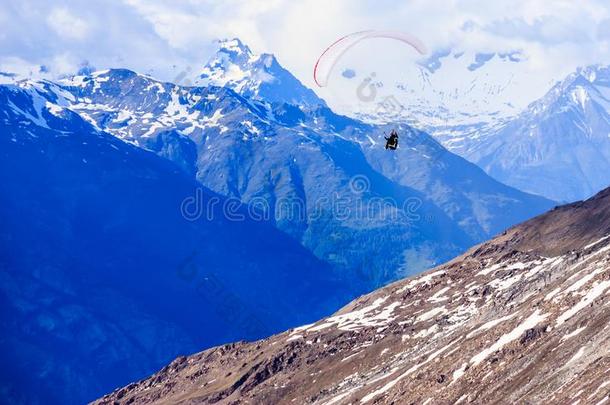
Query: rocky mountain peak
{"points": [[233, 46], [578, 91], [255, 76]]}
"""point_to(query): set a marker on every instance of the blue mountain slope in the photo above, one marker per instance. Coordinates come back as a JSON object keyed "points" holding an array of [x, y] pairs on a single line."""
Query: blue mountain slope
{"points": [[103, 280], [281, 158], [481, 206], [255, 150], [478, 204], [339, 206]]}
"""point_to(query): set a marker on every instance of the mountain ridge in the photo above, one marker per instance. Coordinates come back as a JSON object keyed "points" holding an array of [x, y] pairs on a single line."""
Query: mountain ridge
{"points": [[234, 65], [203, 128], [500, 323], [557, 147]]}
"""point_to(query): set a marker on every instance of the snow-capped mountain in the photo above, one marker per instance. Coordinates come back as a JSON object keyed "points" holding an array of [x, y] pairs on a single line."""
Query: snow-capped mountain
{"points": [[462, 88], [299, 172], [558, 147], [522, 318], [104, 280], [93, 217], [452, 88], [255, 76], [280, 154]]}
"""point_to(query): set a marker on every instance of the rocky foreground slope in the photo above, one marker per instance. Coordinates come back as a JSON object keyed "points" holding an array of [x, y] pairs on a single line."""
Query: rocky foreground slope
{"points": [[524, 318]]}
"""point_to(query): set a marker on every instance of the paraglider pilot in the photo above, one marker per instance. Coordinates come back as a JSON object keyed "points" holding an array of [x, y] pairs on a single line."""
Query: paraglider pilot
{"points": [[392, 141]]}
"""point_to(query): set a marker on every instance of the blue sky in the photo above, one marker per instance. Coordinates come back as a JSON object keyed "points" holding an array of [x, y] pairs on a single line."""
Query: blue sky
{"points": [[162, 38]]}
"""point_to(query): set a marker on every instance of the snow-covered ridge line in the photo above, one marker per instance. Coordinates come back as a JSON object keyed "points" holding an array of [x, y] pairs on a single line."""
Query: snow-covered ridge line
{"points": [[580, 277], [155, 107]]}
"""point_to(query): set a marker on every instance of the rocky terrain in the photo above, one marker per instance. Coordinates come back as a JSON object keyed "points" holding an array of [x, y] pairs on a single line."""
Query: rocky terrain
{"points": [[523, 318]]}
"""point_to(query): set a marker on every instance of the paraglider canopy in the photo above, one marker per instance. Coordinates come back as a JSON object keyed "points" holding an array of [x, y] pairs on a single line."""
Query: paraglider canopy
{"points": [[331, 55]]}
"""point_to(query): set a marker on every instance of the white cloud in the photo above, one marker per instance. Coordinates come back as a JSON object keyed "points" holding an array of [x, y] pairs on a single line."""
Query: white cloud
{"points": [[163, 38], [67, 25], [19, 66], [603, 30]]}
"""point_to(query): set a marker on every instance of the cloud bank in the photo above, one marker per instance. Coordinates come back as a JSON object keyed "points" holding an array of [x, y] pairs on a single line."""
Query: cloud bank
{"points": [[163, 38]]}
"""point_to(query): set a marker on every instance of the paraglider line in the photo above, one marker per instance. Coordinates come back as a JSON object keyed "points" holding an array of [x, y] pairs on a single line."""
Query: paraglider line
{"points": [[315, 68]]}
